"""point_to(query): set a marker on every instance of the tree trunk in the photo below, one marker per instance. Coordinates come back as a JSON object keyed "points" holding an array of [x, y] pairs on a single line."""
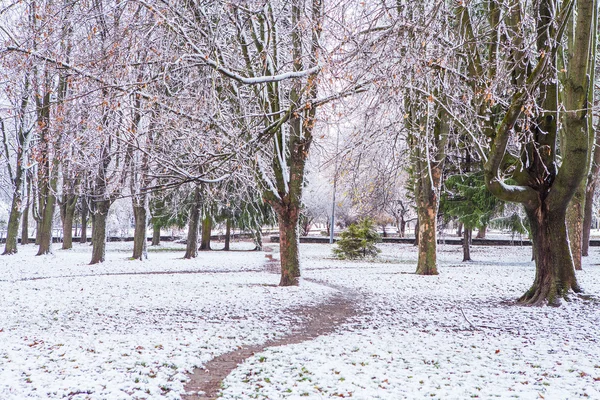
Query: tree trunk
{"points": [[467, 244], [25, 225], [191, 250], [10, 246], [459, 229], [206, 231], [575, 214], [25, 221], [47, 223], [288, 243], [155, 235], [227, 234], [427, 261], [402, 228], [99, 231], [139, 235], [589, 195], [555, 272], [38, 232], [67, 212], [481, 232], [416, 229], [84, 220], [258, 244]]}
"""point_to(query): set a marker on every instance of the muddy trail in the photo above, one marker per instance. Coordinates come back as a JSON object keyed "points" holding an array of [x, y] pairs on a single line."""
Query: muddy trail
{"points": [[320, 319]]}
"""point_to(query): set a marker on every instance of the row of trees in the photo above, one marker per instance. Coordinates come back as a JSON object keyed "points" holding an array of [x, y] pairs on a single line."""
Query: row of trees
{"points": [[214, 107]]}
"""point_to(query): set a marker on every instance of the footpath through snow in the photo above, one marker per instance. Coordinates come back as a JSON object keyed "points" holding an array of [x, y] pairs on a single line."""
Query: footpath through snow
{"points": [[120, 331]]}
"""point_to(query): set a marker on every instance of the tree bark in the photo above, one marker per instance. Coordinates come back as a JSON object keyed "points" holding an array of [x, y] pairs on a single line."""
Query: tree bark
{"points": [[592, 182], [67, 212], [227, 234], [206, 231], [555, 274], [288, 242], [467, 244], [99, 231], [10, 247], [84, 220], [155, 235], [481, 232], [402, 228], [191, 250], [575, 214], [427, 240], [25, 222], [416, 229], [459, 229], [47, 223], [139, 235], [258, 243]]}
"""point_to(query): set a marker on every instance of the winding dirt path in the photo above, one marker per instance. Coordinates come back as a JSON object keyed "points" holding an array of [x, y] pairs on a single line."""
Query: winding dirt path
{"points": [[319, 320]]}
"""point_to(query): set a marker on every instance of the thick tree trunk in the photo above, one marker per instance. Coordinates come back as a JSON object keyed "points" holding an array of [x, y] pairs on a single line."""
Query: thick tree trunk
{"points": [[155, 235], [10, 247], [47, 224], [227, 234], [402, 228], [99, 231], [289, 243], [84, 220], [427, 261], [139, 234], [459, 230], [555, 272], [191, 250], [589, 195], [481, 232], [575, 214], [417, 232], [467, 244], [206, 231], [67, 212]]}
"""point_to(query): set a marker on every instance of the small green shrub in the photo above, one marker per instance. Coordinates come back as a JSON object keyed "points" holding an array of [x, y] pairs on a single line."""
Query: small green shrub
{"points": [[358, 241]]}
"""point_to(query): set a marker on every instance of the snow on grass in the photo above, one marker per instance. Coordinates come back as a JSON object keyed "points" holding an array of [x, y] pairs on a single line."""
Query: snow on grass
{"points": [[76, 331], [457, 335]]}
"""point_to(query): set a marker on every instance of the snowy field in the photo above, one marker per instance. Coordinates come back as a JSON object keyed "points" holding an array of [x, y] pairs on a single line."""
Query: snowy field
{"points": [[132, 330]]}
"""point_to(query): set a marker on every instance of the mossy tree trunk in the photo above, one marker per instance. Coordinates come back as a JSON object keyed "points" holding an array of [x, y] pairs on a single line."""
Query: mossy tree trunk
{"points": [[542, 183], [139, 234], [481, 232], [99, 231], [288, 246], [555, 275], [206, 233], [16, 172], [67, 213], [428, 179], [10, 247], [155, 235]]}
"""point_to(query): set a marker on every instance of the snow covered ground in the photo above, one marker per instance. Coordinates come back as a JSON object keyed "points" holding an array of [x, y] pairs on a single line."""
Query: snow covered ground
{"points": [[128, 329], [453, 336], [109, 331]]}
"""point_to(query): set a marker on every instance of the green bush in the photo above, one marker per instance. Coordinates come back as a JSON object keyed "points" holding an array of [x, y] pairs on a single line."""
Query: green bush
{"points": [[358, 241]]}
